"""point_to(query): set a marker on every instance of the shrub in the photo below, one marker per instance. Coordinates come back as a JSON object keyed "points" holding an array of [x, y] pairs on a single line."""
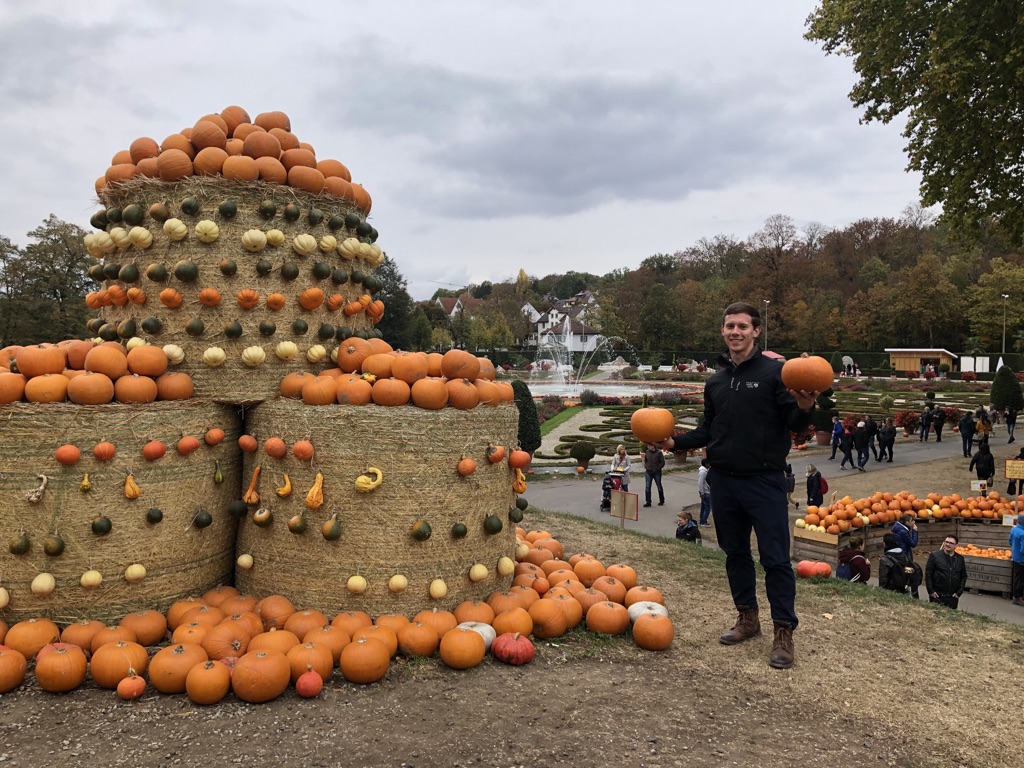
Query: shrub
{"points": [[928, 375], [968, 376], [529, 421], [582, 450], [589, 397], [943, 368], [910, 374], [1006, 390]]}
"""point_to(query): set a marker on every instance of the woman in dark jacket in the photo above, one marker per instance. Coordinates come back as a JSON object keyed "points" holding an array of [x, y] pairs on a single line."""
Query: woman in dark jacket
{"points": [[886, 439], [984, 463], [846, 446], [814, 495]]}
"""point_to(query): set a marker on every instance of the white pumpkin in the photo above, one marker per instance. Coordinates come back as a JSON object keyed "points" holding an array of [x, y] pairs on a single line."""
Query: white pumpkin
{"points": [[438, 589], [398, 583], [253, 356], [245, 562], [207, 231], [356, 584], [5, 598], [365, 251], [275, 237], [522, 549], [348, 248], [120, 237], [645, 606], [478, 572], [286, 350], [135, 573], [304, 244], [135, 341], [254, 240], [506, 566], [91, 579], [328, 243], [175, 229], [214, 357], [140, 237], [103, 242], [317, 353], [43, 584], [175, 354], [486, 631]]}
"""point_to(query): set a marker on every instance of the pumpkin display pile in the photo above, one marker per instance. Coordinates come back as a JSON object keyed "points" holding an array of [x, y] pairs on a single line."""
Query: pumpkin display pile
{"points": [[885, 508], [177, 449], [995, 553], [226, 641]]}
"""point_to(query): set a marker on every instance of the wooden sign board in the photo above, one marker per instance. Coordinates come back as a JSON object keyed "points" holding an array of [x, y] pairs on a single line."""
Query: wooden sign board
{"points": [[1015, 469], [625, 506]]}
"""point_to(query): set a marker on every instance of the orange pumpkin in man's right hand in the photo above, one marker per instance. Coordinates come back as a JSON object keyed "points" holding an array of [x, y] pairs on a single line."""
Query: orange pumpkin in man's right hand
{"points": [[652, 425]]}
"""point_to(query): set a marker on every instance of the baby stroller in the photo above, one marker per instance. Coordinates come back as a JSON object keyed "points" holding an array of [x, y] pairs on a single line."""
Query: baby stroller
{"points": [[612, 482]]}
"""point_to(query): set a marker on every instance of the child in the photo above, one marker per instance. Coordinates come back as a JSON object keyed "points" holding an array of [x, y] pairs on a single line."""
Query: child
{"points": [[686, 528]]}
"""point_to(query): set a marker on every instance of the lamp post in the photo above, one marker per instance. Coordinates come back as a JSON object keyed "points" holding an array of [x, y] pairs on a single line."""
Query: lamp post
{"points": [[766, 303], [1005, 297]]}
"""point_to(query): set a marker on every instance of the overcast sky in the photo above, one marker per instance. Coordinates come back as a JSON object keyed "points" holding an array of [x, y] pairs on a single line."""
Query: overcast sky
{"points": [[547, 135]]}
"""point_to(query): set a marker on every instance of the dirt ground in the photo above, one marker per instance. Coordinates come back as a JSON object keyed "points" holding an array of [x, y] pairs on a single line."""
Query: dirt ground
{"points": [[879, 680]]}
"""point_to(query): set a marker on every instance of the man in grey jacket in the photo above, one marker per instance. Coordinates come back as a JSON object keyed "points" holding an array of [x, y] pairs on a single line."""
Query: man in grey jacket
{"points": [[654, 462]]}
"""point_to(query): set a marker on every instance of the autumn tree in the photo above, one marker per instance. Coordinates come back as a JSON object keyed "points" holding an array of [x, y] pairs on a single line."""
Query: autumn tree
{"points": [[420, 331], [954, 68], [398, 305]]}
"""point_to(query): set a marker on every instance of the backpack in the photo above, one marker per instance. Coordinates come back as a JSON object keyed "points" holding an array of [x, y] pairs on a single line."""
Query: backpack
{"points": [[899, 580], [844, 571], [822, 485]]}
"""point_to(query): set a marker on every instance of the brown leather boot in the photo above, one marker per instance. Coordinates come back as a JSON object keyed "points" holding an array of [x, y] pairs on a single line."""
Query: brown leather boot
{"points": [[747, 626], [782, 649]]}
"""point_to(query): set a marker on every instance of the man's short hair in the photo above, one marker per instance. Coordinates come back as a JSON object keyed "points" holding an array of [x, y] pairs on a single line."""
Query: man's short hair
{"points": [[742, 308]]}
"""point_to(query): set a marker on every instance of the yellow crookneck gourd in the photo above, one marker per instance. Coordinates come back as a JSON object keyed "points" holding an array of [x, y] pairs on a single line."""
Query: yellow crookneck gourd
{"points": [[131, 488], [286, 489], [519, 484], [86, 485], [315, 497], [369, 480]]}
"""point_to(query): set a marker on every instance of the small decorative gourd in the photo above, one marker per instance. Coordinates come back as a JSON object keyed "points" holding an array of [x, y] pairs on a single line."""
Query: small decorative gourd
{"points": [[316, 354], [175, 354], [254, 240], [140, 237], [214, 357], [304, 244], [175, 229], [275, 237], [286, 350], [369, 480], [253, 356], [207, 231]]}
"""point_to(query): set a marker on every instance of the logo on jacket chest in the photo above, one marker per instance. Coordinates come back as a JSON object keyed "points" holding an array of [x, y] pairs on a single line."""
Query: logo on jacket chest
{"points": [[750, 384]]}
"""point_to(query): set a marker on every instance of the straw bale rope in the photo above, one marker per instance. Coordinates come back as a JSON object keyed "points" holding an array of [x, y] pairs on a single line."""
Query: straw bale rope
{"points": [[234, 382], [179, 558], [418, 451]]}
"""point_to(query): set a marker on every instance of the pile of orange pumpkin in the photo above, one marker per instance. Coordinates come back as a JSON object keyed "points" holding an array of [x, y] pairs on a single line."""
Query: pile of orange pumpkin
{"points": [[231, 145], [227, 642], [369, 371], [995, 553], [87, 373], [885, 508]]}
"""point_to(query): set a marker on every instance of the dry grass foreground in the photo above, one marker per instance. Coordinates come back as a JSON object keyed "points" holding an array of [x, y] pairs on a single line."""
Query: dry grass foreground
{"points": [[879, 680]]}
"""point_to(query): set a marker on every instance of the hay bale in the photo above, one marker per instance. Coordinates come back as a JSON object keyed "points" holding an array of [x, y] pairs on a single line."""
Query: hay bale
{"points": [[234, 381], [180, 559], [418, 451]]}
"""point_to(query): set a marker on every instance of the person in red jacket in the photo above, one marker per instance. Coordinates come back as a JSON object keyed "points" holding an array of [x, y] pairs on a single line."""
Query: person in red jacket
{"points": [[860, 566], [749, 418]]}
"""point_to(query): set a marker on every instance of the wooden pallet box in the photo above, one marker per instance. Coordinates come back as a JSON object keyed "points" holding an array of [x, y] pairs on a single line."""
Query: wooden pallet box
{"points": [[980, 534], [988, 574], [811, 545]]}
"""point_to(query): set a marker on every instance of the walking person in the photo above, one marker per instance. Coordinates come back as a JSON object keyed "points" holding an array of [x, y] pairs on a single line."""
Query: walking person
{"points": [[846, 446], [967, 428], [837, 434], [621, 465], [748, 488], [886, 439], [791, 486], [1011, 423], [653, 459], [983, 427], [938, 422], [945, 574], [872, 430], [984, 463], [815, 491], [926, 425], [1017, 561], [704, 491], [860, 441]]}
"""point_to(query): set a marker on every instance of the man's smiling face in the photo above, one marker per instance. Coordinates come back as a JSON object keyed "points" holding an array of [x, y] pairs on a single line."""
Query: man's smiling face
{"points": [[739, 334]]}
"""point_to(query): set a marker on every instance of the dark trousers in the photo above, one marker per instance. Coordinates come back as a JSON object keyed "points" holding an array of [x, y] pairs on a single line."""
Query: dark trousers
{"points": [[950, 601], [871, 446], [847, 457], [862, 457], [938, 432], [654, 477], [835, 445], [755, 502], [884, 447], [968, 442], [1017, 579]]}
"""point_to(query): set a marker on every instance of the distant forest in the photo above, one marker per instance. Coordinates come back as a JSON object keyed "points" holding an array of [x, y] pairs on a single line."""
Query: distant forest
{"points": [[876, 283]]}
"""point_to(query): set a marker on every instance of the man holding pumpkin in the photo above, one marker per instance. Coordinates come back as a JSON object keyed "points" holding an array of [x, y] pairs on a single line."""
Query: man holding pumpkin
{"points": [[749, 416]]}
